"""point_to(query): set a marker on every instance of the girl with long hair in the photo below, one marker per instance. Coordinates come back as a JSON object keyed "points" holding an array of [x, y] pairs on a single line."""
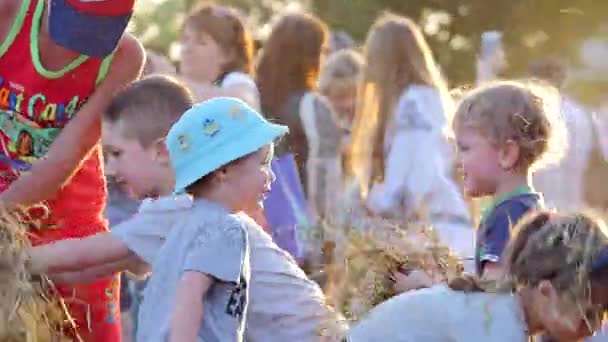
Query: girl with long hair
{"points": [[400, 154]]}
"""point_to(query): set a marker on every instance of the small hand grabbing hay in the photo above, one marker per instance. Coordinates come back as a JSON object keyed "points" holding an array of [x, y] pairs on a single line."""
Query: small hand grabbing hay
{"points": [[27, 312], [382, 247]]}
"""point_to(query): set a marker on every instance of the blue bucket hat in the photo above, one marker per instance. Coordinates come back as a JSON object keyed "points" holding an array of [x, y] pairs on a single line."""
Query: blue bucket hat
{"points": [[214, 133]]}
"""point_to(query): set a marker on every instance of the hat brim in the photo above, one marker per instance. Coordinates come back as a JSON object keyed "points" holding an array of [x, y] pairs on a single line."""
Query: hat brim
{"points": [[205, 163], [88, 34]]}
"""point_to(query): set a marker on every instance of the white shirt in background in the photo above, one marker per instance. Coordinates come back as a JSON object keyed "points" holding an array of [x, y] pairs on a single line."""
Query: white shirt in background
{"points": [[251, 95], [238, 78], [563, 184], [418, 164]]}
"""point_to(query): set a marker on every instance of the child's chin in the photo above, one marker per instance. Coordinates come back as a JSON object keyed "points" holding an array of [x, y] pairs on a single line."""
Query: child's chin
{"points": [[132, 194]]}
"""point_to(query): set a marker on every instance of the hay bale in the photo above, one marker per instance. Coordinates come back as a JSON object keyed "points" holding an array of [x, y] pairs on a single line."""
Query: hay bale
{"points": [[27, 311]]}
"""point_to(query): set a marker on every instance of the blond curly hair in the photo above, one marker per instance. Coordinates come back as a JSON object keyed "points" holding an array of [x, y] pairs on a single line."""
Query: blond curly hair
{"points": [[525, 113]]}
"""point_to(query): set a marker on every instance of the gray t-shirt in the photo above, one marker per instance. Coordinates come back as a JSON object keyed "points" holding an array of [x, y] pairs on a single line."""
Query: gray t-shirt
{"points": [[285, 305], [439, 314], [209, 240], [275, 275], [146, 231]]}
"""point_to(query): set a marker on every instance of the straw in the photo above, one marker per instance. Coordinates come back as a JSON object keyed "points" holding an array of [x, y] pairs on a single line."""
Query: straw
{"points": [[366, 255], [29, 312]]}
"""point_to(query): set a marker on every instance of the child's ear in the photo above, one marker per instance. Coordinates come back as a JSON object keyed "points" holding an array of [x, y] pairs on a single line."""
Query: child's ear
{"points": [[508, 155], [547, 291], [161, 152]]}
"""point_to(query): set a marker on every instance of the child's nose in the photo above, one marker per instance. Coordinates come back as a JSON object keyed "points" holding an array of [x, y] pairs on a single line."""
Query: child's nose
{"points": [[273, 177], [458, 159], [110, 168]]}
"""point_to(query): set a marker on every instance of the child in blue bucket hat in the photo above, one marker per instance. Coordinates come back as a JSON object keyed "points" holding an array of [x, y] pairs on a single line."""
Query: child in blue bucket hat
{"points": [[220, 151], [144, 168]]}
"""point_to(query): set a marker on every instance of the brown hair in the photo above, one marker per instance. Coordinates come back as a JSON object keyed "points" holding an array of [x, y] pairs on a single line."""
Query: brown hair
{"points": [[341, 70], [149, 107], [228, 30], [548, 246], [549, 69], [396, 56], [290, 60], [525, 113]]}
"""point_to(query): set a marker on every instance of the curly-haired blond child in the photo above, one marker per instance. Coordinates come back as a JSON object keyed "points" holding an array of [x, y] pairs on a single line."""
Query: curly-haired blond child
{"points": [[504, 131]]}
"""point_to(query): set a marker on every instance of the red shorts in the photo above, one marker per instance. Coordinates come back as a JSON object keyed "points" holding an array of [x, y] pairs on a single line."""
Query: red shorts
{"points": [[95, 309]]}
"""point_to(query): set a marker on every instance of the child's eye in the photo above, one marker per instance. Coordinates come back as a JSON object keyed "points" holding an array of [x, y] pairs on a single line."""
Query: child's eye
{"points": [[115, 154]]}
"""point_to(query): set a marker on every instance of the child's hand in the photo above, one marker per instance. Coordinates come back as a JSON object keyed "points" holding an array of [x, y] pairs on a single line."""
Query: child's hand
{"points": [[414, 280]]}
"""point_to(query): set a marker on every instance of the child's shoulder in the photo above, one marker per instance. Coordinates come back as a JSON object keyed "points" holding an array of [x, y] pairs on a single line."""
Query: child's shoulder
{"points": [[165, 204], [210, 219], [9, 9], [508, 212], [238, 78], [518, 205]]}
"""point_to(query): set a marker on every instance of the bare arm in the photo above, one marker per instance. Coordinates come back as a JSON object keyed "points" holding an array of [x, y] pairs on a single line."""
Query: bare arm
{"points": [[94, 273], [78, 138], [188, 312], [75, 255]]}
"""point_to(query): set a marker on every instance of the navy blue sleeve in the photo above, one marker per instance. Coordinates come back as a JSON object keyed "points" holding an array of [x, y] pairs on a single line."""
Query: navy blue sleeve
{"points": [[498, 229]]}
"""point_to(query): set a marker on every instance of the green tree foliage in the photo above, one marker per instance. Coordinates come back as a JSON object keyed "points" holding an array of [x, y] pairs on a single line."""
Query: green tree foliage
{"points": [[157, 22], [532, 28]]}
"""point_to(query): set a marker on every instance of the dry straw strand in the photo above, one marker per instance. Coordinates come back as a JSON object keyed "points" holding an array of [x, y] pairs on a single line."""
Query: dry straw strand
{"points": [[29, 310]]}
